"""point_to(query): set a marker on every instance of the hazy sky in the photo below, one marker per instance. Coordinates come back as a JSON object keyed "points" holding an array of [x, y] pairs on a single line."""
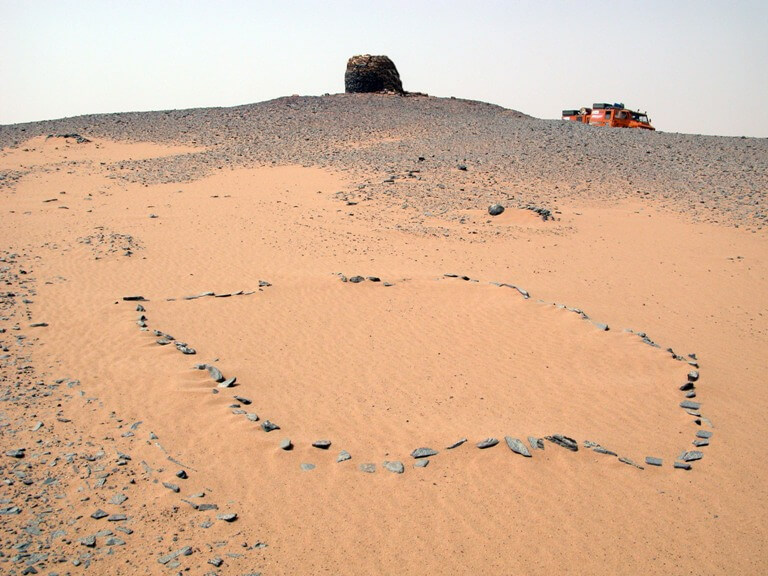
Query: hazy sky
{"points": [[699, 67]]}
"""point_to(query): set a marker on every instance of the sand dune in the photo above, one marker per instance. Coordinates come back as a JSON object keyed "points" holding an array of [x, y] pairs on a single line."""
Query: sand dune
{"points": [[251, 265]]}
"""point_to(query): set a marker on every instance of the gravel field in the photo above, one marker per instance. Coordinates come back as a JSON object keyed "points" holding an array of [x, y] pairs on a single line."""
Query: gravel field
{"points": [[381, 138]]}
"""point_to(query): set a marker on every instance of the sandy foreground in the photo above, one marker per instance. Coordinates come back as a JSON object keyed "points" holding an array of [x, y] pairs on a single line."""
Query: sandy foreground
{"points": [[251, 267]]}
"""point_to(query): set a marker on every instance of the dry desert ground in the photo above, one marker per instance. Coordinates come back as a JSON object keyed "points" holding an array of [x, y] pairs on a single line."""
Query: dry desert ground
{"points": [[289, 339]]}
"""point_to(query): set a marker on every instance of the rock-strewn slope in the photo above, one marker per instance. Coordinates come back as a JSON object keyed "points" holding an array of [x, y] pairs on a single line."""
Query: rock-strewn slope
{"points": [[506, 153]]}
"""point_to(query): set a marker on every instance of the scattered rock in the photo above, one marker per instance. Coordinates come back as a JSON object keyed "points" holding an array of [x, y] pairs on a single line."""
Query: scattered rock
{"points": [[268, 426], [322, 444], [682, 465], [564, 441], [630, 462], [99, 514], [228, 383], [343, 456], [395, 467], [182, 474], [692, 456], [286, 444], [652, 461], [423, 453], [687, 404], [495, 209], [487, 443], [456, 444], [693, 376], [703, 434], [517, 446], [227, 517], [368, 468], [536, 443], [423, 463]]}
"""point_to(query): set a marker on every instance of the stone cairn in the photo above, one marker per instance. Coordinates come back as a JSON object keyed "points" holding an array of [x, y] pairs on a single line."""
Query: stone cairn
{"points": [[366, 73]]}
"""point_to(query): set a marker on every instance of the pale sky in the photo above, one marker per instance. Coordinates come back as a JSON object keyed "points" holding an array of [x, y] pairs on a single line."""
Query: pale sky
{"points": [[697, 67]]}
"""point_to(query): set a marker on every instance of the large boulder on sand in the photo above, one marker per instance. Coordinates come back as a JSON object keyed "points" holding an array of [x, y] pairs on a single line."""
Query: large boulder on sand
{"points": [[366, 73]]}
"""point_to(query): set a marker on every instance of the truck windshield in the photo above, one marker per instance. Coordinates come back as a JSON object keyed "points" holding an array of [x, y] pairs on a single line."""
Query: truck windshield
{"points": [[641, 118]]}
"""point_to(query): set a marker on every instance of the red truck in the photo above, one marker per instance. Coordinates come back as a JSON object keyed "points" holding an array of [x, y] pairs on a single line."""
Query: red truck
{"points": [[614, 115]]}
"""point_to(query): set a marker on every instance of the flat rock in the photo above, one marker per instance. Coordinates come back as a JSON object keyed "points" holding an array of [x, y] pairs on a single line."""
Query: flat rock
{"points": [[186, 551], [231, 517], [286, 444], [691, 456], [564, 441], [689, 405], [252, 416], [396, 466], [423, 463], [307, 466], [99, 514], [423, 453], [214, 372], [368, 468], [268, 426], [228, 383], [487, 443], [357, 279], [703, 434], [536, 443], [624, 460], [343, 456], [134, 299], [172, 487], [456, 444], [322, 444], [682, 466], [700, 442], [242, 400], [653, 461], [517, 446], [16, 453]]}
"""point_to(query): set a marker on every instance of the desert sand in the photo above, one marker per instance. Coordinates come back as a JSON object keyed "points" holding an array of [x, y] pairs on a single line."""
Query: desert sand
{"points": [[336, 257]]}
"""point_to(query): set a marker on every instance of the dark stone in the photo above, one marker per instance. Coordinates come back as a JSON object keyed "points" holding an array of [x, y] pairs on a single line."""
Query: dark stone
{"points": [[18, 453], [630, 462], [692, 456], [268, 426], [536, 443], [423, 453], [517, 446], [395, 467], [227, 517], [172, 487], [215, 373], [693, 376], [182, 474], [495, 209], [456, 444], [99, 514], [286, 444], [699, 443], [687, 386], [682, 466], [704, 434], [487, 443], [463, 168], [366, 73], [322, 444], [228, 383], [207, 507], [652, 461], [242, 400], [134, 298], [357, 279], [564, 441], [690, 405]]}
